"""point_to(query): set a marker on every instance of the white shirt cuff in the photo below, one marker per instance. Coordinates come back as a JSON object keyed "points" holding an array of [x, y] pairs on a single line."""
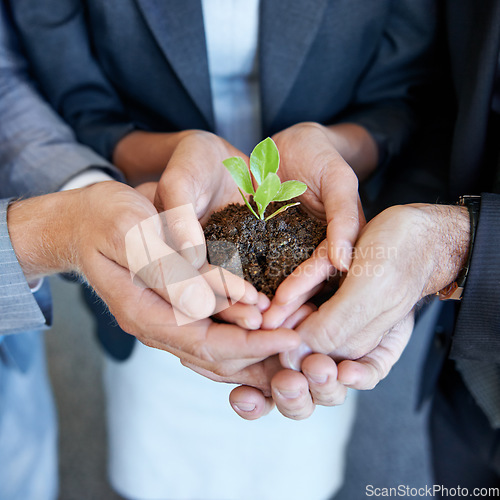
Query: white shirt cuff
{"points": [[86, 178]]}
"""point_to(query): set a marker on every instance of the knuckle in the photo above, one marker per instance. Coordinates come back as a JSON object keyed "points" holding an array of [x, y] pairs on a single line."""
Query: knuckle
{"points": [[375, 376], [346, 175], [201, 351], [349, 218], [321, 341], [128, 324], [297, 413], [177, 225], [222, 370], [334, 398]]}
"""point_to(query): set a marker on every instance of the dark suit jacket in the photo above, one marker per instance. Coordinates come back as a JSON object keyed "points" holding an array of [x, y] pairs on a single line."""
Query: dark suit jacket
{"points": [[111, 66], [474, 40]]}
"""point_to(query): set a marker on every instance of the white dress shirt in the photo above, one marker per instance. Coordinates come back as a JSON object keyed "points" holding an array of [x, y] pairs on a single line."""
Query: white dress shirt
{"points": [[232, 32]]}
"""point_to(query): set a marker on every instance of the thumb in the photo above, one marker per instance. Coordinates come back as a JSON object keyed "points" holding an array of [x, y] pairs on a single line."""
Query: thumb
{"points": [[344, 213], [175, 199]]}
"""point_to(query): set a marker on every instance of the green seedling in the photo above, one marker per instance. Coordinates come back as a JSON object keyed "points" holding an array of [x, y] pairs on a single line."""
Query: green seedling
{"points": [[264, 163]]}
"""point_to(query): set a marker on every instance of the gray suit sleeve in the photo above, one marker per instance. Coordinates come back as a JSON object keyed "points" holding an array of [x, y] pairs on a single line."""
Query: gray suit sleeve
{"points": [[86, 100], [38, 152], [19, 311]]}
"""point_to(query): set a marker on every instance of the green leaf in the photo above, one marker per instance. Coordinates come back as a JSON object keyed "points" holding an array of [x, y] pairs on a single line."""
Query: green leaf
{"points": [[282, 209], [265, 159], [266, 192], [289, 190], [247, 204], [239, 172]]}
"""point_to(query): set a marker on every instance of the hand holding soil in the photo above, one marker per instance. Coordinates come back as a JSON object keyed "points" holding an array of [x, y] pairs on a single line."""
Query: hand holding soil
{"points": [[271, 236]]}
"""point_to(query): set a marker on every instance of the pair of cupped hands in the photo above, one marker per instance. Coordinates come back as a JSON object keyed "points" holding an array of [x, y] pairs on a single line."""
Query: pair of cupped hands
{"points": [[286, 352]]}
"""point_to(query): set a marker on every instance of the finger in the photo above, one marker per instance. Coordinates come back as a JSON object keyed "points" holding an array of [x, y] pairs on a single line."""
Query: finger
{"points": [[257, 375], [291, 394], [339, 192], [231, 342], [224, 349], [178, 194], [227, 284], [176, 187], [299, 316], [307, 276], [366, 372], [293, 359], [277, 315], [144, 314], [249, 403], [302, 284], [246, 316], [195, 175], [360, 302], [148, 189], [263, 302], [321, 373]]}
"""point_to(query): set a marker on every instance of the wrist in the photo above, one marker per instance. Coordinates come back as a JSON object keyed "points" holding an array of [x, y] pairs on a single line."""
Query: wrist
{"points": [[448, 239], [142, 156], [42, 233], [356, 145]]}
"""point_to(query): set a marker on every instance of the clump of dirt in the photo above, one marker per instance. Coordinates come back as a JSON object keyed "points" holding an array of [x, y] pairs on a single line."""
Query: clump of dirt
{"points": [[268, 250]]}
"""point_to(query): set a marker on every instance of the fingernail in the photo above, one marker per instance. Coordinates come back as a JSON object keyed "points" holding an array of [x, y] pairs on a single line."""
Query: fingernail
{"points": [[263, 302], [287, 394], [293, 359], [190, 253], [344, 254], [243, 407], [250, 323], [317, 378], [350, 382], [349, 378], [273, 324], [196, 301]]}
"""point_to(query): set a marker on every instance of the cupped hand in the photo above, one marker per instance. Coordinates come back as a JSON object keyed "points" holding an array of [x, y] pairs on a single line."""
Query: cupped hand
{"points": [[195, 175], [404, 254], [195, 184], [316, 154], [328, 160], [112, 239], [245, 305]]}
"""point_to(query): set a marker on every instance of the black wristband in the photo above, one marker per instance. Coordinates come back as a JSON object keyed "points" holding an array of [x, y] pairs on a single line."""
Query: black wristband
{"points": [[455, 290]]}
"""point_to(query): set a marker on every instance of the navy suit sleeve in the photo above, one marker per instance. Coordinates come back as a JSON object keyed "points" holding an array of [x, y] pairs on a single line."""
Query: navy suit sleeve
{"points": [[55, 38], [477, 333], [388, 98]]}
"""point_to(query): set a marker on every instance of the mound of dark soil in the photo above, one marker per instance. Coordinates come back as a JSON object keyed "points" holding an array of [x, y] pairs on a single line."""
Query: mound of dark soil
{"points": [[269, 251]]}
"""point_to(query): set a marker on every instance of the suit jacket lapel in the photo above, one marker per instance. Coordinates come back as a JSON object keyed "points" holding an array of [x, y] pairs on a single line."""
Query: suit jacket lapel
{"points": [[475, 91], [178, 29], [287, 30]]}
